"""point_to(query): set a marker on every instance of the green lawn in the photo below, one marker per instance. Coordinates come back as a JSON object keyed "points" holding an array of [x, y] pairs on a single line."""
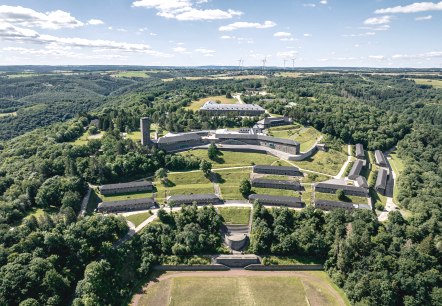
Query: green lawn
{"points": [[183, 183], [137, 219], [307, 195], [234, 159], [130, 74], [84, 139], [229, 181], [306, 136], [291, 260], [235, 215], [333, 197], [325, 162], [196, 105], [434, 83], [276, 192], [125, 196], [396, 163]]}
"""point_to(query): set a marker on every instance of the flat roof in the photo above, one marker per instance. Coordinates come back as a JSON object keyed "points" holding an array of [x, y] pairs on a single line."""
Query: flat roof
{"points": [[279, 182], [273, 198], [126, 185], [127, 202], [193, 197], [342, 204], [282, 168]]}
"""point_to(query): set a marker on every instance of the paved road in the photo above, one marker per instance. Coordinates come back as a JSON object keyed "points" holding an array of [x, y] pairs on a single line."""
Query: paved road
{"points": [[390, 205], [238, 97]]}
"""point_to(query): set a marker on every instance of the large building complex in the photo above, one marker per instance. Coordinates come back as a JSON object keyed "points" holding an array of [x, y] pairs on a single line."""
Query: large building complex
{"points": [[189, 199], [265, 199], [332, 187], [276, 184], [216, 109], [381, 181], [126, 187], [277, 170], [126, 205]]}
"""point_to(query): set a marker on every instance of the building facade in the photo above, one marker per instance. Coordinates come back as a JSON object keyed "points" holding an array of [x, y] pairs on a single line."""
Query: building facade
{"points": [[265, 199], [380, 158], [331, 205], [356, 169], [381, 181], [347, 189], [126, 187], [216, 109], [190, 199], [179, 142], [277, 170], [276, 184], [274, 121], [126, 205]]}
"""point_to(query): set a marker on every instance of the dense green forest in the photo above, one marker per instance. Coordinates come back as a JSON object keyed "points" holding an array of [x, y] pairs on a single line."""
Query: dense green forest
{"points": [[57, 258]]}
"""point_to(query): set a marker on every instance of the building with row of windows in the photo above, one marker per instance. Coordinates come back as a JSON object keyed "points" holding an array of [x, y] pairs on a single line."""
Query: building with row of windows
{"points": [[276, 184], [277, 170], [126, 205], [213, 108], [129, 187], [331, 205], [332, 187], [198, 199], [271, 200]]}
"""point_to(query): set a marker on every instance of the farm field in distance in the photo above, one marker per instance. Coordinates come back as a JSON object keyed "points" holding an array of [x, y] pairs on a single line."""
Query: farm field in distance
{"points": [[196, 105], [434, 83], [252, 288]]}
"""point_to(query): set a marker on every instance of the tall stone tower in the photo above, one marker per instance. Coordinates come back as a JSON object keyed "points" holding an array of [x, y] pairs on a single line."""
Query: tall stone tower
{"points": [[145, 131]]}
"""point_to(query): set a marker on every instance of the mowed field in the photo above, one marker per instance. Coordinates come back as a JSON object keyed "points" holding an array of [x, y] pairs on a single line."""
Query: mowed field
{"points": [[196, 105], [434, 83], [247, 288]]}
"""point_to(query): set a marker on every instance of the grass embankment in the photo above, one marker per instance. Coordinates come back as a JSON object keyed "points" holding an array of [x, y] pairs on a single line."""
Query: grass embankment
{"points": [[196, 105], [183, 183], [234, 159], [334, 197], [229, 183], [276, 192], [397, 165], [290, 260], [235, 215], [324, 162], [306, 136], [137, 219]]}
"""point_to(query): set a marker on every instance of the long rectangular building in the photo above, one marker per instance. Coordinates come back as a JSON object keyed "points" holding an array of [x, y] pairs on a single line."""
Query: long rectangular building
{"points": [[179, 141], [126, 205], [360, 151], [277, 170], [274, 121], [217, 109], [126, 187], [380, 158], [356, 169], [381, 181], [265, 199], [331, 205], [189, 199], [276, 184], [348, 189]]}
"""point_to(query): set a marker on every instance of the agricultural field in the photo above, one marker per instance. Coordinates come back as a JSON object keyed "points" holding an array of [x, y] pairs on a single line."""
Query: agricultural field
{"points": [[137, 219], [183, 183], [130, 74], [308, 288], [234, 159], [324, 162], [229, 183], [235, 215], [196, 105], [434, 83]]}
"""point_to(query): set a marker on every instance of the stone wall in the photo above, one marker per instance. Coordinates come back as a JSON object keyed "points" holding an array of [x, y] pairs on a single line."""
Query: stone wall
{"points": [[258, 267], [214, 267]]}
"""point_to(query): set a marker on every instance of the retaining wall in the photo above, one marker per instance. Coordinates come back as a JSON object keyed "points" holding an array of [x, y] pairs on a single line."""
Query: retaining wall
{"points": [[214, 267], [258, 267], [304, 155]]}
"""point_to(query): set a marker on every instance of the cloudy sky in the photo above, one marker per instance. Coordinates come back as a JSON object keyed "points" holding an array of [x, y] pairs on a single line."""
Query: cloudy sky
{"points": [[377, 33]]}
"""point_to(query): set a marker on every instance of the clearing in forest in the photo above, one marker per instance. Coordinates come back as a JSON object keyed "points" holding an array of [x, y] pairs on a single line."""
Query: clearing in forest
{"points": [[196, 105]]}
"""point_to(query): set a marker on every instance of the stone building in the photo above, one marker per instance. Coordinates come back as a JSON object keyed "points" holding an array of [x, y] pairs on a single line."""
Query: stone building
{"points": [[189, 199], [126, 205], [276, 184], [145, 131], [328, 187], [216, 109], [356, 169], [265, 199], [277, 170], [331, 205], [126, 187], [273, 121], [179, 141], [381, 181]]}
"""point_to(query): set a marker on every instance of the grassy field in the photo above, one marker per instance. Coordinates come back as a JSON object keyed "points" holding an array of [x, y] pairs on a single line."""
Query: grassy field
{"points": [[235, 215], [8, 114], [305, 136], [434, 83], [183, 183], [84, 139], [334, 197], [291, 260], [276, 192], [229, 183], [130, 74], [137, 219], [196, 105], [234, 159], [398, 166], [307, 195], [308, 289], [125, 196], [325, 162]]}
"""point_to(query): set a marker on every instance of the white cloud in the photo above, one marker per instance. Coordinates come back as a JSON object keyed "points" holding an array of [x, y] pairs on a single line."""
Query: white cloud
{"points": [[179, 49], [244, 25], [359, 34], [323, 2], [377, 57], [95, 22], [286, 54], [227, 37], [205, 52], [27, 17], [13, 33], [378, 20], [185, 10], [307, 35], [416, 7], [309, 5], [423, 18], [287, 39], [381, 27], [282, 34]]}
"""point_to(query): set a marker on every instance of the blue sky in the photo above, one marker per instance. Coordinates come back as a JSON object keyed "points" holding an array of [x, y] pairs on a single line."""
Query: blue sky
{"points": [[375, 33]]}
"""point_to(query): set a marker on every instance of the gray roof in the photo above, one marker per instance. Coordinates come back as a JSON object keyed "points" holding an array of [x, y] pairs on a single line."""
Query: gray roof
{"points": [[126, 185], [212, 105], [193, 197], [356, 168], [341, 187], [362, 182], [179, 138], [272, 198], [127, 202], [381, 180], [380, 158], [342, 204], [268, 167], [359, 150], [279, 182], [256, 137], [269, 120]]}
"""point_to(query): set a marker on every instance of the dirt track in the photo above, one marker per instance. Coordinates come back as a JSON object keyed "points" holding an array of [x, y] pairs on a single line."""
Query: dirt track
{"points": [[240, 272]]}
